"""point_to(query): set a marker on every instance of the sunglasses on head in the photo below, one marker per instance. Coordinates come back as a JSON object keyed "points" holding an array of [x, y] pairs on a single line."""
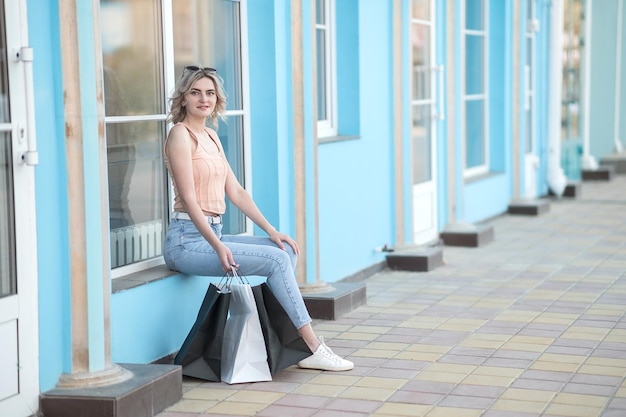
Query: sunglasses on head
{"points": [[205, 69]]}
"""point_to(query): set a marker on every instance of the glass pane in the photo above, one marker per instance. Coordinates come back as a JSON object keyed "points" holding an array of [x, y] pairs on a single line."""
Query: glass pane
{"points": [[322, 113], [474, 133], [572, 53], [474, 15], [474, 65], [529, 130], [529, 62], [529, 9], [132, 57], [8, 276], [420, 40], [229, 133], [420, 133], [421, 9], [138, 203], [320, 12], [208, 33]]}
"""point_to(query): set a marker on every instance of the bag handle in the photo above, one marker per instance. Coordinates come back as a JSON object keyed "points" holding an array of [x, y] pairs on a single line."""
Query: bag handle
{"points": [[232, 274]]}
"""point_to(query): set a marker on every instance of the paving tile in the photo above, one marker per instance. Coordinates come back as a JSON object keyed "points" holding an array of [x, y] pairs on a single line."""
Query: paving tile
{"points": [[413, 397], [401, 410], [565, 410], [359, 406], [367, 393], [285, 410], [429, 387], [461, 401], [524, 406], [591, 389], [297, 400], [440, 411], [478, 391]]}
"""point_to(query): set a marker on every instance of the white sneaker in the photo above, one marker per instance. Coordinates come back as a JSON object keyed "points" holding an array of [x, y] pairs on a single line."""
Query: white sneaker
{"points": [[326, 360]]}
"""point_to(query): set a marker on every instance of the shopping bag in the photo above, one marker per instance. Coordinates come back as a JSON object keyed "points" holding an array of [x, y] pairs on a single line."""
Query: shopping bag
{"points": [[284, 345], [244, 358], [201, 352]]}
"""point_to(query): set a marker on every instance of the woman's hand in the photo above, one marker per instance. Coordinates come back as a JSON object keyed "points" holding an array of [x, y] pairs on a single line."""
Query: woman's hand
{"points": [[278, 238], [226, 257]]}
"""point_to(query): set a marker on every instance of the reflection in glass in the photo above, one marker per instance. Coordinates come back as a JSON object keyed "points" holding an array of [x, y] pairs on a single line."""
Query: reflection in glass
{"points": [[229, 134], [474, 64], [474, 133], [322, 111], [137, 182], [420, 134], [8, 276], [320, 12], [421, 9], [530, 93], [474, 15], [420, 40], [207, 34], [132, 45]]}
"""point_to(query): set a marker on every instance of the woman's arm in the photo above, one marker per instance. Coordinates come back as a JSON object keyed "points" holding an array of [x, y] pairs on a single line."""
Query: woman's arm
{"points": [[242, 200], [179, 149]]}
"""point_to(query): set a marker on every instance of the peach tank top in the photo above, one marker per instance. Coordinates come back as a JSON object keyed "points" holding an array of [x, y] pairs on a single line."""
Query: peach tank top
{"points": [[209, 176]]}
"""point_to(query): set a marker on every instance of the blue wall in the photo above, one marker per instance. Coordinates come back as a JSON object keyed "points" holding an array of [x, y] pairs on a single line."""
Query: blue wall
{"points": [[51, 194], [358, 171]]}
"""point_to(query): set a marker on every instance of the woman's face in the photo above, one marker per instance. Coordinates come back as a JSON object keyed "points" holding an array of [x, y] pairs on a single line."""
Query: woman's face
{"points": [[202, 98]]}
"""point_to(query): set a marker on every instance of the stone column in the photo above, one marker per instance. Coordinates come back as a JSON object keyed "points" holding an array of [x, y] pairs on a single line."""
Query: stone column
{"points": [[88, 198]]}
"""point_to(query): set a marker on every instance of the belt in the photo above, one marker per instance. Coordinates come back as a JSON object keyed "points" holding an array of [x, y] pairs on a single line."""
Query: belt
{"points": [[210, 219]]}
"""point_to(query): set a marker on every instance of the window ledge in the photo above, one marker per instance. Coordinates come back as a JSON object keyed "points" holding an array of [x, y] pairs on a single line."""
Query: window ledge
{"points": [[484, 176], [339, 138], [137, 279]]}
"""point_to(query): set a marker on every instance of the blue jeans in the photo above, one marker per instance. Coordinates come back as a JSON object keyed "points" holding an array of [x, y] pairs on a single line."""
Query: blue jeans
{"points": [[187, 251]]}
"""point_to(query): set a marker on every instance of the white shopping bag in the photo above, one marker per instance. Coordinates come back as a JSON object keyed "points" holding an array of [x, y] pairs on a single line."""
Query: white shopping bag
{"points": [[244, 357]]}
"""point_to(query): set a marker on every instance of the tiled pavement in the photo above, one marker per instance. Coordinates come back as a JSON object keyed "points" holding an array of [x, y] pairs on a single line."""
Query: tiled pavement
{"points": [[531, 324]]}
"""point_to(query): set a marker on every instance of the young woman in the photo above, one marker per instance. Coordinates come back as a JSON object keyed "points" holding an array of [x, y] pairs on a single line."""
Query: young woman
{"points": [[202, 179]]}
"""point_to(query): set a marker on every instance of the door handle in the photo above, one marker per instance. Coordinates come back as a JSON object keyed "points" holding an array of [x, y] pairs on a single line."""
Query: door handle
{"points": [[31, 156]]}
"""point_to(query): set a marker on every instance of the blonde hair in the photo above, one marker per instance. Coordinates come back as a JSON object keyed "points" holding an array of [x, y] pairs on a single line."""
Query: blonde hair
{"points": [[177, 110]]}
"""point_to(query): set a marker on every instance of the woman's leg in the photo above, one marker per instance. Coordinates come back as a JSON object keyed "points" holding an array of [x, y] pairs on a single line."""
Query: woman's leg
{"points": [[188, 252]]}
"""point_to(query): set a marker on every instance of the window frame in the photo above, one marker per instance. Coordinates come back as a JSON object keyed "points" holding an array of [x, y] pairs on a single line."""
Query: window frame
{"points": [[328, 127], [484, 97]]}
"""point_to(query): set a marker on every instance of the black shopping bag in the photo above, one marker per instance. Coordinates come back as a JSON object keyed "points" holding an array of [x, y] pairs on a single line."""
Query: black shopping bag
{"points": [[201, 352], [284, 345]]}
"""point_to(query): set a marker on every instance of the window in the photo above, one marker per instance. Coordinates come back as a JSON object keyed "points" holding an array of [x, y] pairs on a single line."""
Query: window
{"points": [[140, 72], [529, 79], [326, 107], [475, 39]]}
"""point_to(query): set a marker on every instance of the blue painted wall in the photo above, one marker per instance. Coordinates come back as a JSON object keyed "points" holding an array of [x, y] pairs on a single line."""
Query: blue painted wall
{"points": [[355, 200], [51, 194]]}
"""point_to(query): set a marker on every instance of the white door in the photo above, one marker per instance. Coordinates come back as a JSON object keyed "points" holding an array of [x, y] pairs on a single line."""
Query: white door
{"points": [[19, 368], [531, 160], [426, 78]]}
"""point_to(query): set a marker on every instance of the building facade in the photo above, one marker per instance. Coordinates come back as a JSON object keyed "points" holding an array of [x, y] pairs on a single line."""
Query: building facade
{"points": [[355, 125]]}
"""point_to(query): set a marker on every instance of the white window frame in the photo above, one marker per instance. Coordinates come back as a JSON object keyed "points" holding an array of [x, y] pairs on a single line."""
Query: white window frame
{"points": [[484, 168], [170, 84], [529, 76], [328, 127]]}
